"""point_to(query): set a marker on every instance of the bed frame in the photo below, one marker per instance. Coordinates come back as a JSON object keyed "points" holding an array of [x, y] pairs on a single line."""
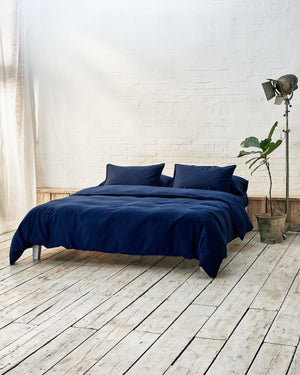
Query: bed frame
{"points": [[36, 255], [36, 252]]}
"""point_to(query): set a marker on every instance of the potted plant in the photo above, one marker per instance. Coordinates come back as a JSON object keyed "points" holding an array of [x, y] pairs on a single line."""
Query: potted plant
{"points": [[271, 226]]}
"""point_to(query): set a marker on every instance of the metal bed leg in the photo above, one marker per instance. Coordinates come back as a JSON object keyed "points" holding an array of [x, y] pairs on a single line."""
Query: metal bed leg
{"points": [[36, 253]]}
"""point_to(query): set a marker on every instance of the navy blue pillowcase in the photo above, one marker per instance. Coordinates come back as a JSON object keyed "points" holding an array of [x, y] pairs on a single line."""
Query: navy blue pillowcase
{"points": [[144, 175], [165, 181], [238, 185], [203, 177]]}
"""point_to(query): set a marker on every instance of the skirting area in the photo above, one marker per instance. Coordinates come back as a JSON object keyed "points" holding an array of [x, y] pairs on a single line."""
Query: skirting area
{"points": [[82, 312]]}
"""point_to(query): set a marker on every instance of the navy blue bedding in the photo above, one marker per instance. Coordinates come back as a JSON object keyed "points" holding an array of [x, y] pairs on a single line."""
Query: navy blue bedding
{"points": [[140, 220]]}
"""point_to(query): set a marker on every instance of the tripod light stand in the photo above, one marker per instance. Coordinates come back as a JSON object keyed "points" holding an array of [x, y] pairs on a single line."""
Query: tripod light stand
{"points": [[283, 89]]}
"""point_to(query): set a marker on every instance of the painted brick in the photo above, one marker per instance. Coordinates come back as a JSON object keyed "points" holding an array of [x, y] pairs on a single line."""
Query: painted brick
{"points": [[159, 81]]}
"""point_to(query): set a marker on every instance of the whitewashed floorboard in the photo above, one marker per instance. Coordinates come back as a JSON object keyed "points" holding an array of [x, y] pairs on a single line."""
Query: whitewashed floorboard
{"points": [[233, 308], [217, 291], [295, 365], [47, 356], [106, 338], [118, 360], [172, 342], [272, 359], [6, 236], [26, 262], [276, 287], [91, 313], [197, 357], [286, 328], [240, 349]]}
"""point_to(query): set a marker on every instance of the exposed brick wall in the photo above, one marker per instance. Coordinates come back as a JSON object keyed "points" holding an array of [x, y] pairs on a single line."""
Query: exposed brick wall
{"points": [[143, 82]]}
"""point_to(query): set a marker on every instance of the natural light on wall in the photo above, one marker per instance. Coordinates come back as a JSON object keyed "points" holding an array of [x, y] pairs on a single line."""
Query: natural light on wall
{"points": [[141, 82]]}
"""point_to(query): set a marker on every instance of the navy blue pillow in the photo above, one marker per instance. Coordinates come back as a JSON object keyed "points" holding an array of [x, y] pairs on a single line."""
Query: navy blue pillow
{"points": [[203, 177], [165, 181], [146, 175], [238, 185]]}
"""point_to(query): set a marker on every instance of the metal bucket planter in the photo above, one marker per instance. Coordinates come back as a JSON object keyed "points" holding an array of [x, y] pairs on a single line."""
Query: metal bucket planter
{"points": [[271, 227]]}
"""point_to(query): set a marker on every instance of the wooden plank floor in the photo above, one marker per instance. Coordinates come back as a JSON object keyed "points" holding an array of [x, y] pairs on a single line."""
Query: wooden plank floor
{"points": [[77, 312]]}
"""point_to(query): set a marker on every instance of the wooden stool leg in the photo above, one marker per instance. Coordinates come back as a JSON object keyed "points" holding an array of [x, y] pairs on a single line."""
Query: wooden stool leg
{"points": [[36, 253]]}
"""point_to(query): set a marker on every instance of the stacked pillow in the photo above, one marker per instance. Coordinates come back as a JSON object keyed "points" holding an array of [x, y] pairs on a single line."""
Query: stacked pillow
{"points": [[185, 176], [203, 177], [148, 175]]}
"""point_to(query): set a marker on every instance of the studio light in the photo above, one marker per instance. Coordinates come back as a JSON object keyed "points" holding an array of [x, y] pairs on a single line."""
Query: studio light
{"points": [[283, 90]]}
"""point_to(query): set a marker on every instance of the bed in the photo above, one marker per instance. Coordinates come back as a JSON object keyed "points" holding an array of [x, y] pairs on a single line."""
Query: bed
{"points": [[156, 218]]}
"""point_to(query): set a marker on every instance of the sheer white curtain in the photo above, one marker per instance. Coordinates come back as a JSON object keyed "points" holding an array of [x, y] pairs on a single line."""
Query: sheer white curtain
{"points": [[17, 162]]}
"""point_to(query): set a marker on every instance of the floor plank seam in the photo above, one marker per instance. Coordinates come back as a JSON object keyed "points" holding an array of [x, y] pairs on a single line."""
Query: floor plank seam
{"points": [[275, 266], [6, 250], [20, 299], [65, 307], [163, 333], [14, 322], [134, 300], [32, 264], [293, 357], [291, 285], [73, 349], [146, 270], [238, 252], [243, 275], [233, 330], [42, 312], [160, 334], [134, 362], [204, 304], [255, 355], [268, 330], [178, 316], [277, 344], [178, 356], [215, 357], [163, 301], [60, 292], [263, 309], [114, 346], [187, 345], [38, 275], [108, 297], [269, 275], [37, 349], [148, 288]]}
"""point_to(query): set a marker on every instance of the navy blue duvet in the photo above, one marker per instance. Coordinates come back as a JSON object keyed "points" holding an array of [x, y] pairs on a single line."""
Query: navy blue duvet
{"points": [[140, 220]]}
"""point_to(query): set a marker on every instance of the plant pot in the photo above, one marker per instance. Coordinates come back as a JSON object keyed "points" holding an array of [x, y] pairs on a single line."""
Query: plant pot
{"points": [[271, 227]]}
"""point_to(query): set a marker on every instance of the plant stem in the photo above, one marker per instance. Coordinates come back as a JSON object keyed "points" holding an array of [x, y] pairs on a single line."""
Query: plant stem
{"points": [[270, 189]]}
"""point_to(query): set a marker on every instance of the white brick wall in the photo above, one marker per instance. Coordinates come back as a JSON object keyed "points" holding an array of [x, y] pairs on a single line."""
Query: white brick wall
{"points": [[147, 81]]}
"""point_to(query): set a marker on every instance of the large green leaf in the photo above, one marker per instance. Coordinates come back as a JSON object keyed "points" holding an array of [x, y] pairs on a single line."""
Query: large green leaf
{"points": [[255, 161], [251, 142], [272, 130], [264, 144], [245, 153], [272, 146], [249, 160], [261, 164]]}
